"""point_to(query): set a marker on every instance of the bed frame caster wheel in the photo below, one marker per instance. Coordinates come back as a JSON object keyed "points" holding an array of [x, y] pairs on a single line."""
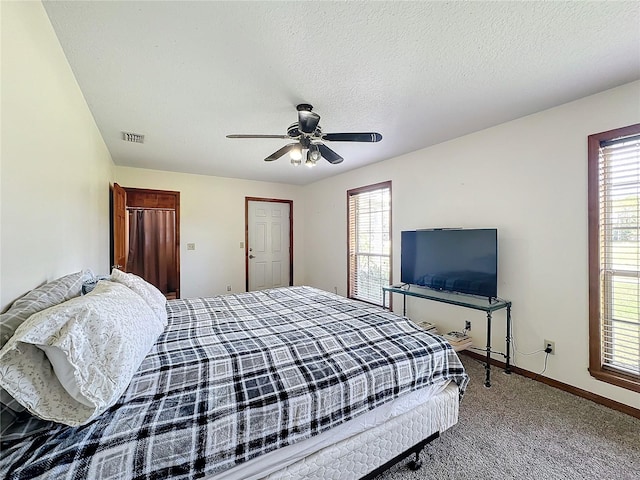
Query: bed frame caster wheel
{"points": [[416, 463]]}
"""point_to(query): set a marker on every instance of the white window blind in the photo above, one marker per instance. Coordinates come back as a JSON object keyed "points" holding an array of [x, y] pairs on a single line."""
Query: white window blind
{"points": [[619, 251], [369, 234]]}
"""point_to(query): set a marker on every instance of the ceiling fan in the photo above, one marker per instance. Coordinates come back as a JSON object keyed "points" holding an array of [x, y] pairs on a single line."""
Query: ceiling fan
{"points": [[309, 136]]}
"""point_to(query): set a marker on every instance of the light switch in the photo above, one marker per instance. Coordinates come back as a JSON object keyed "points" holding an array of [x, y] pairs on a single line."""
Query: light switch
{"points": [[241, 244], [191, 246]]}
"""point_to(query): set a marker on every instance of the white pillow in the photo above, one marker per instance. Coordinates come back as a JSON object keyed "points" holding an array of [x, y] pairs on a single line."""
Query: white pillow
{"points": [[65, 373], [154, 297], [98, 341]]}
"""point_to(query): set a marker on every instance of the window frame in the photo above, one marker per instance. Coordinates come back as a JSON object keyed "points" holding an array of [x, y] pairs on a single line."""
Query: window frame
{"points": [[596, 367], [353, 192]]}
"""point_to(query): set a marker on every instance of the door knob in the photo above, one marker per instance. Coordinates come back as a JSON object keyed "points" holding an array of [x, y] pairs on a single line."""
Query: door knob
{"points": [[252, 256]]}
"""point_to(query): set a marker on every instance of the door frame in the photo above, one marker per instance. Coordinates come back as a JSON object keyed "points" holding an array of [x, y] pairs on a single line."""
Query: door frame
{"points": [[246, 235], [157, 203]]}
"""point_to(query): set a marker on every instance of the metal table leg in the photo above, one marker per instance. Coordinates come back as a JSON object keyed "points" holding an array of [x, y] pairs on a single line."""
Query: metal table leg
{"points": [[487, 366], [508, 365]]}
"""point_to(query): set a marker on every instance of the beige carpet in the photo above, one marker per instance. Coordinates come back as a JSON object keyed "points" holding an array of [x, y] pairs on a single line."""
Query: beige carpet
{"points": [[523, 429]]}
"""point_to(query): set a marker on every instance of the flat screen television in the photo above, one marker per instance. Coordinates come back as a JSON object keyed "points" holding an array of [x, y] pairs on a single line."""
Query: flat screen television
{"points": [[455, 260]]}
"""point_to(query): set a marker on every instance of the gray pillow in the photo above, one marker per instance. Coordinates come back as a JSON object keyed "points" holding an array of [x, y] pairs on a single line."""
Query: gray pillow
{"points": [[44, 296], [38, 299]]}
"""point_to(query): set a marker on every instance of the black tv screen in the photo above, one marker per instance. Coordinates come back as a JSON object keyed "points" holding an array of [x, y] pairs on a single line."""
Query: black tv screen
{"points": [[455, 260]]}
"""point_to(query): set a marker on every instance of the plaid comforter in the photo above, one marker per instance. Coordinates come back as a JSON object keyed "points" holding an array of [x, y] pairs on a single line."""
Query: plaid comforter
{"points": [[237, 376]]}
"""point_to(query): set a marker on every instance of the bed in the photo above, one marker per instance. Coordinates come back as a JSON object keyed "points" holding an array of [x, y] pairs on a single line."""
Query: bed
{"points": [[284, 383]]}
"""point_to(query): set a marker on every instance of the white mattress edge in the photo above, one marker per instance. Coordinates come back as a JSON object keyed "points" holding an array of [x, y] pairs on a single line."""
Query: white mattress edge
{"points": [[277, 460], [359, 455]]}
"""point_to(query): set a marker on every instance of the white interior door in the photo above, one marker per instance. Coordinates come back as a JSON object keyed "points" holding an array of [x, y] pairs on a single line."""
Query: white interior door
{"points": [[269, 244]]}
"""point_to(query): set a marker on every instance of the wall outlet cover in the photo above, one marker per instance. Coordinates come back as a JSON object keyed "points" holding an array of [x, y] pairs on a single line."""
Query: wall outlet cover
{"points": [[552, 344]]}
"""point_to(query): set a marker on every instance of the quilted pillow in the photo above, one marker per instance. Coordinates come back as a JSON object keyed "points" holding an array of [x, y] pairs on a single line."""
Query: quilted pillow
{"points": [[44, 296], [98, 342], [154, 297]]}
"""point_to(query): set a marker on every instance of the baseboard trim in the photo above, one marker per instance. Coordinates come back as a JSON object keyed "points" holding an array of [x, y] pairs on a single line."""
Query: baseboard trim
{"points": [[607, 402]]}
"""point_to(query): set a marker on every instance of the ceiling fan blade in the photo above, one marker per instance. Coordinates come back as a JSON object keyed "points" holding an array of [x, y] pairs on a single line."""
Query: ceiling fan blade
{"points": [[352, 137], [307, 121], [241, 135], [284, 150], [329, 155]]}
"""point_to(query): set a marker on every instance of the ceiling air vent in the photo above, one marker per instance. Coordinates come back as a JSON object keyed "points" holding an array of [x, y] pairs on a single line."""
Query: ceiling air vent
{"points": [[132, 137]]}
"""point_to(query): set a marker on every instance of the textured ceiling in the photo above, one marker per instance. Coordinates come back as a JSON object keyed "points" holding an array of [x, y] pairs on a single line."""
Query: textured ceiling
{"points": [[185, 74]]}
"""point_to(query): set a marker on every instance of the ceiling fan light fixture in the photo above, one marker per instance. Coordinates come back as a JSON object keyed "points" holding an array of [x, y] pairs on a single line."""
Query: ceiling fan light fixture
{"points": [[314, 153], [296, 153], [310, 161]]}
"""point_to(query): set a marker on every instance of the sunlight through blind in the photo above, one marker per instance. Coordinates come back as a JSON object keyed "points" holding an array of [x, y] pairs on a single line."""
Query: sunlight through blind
{"points": [[619, 244], [369, 234]]}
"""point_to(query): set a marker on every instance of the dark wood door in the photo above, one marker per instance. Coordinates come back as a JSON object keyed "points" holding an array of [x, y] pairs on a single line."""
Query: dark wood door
{"points": [[119, 229]]}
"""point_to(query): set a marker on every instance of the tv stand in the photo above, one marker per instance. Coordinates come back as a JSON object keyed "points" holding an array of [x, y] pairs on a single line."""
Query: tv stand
{"points": [[460, 300]]}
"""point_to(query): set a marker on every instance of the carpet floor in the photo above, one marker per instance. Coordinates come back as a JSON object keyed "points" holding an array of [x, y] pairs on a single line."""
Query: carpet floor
{"points": [[523, 429]]}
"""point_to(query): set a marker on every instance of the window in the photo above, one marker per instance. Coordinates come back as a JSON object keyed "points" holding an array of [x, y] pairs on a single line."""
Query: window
{"points": [[614, 256], [369, 234]]}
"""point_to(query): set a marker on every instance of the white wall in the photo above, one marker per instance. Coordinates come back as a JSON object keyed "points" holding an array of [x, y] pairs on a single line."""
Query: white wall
{"points": [[55, 171], [528, 178], [212, 215]]}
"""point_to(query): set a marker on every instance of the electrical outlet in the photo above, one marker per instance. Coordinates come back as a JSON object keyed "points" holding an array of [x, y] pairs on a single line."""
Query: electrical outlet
{"points": [[551, 345], [191, 246], [228, 288], [467, 325]]}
